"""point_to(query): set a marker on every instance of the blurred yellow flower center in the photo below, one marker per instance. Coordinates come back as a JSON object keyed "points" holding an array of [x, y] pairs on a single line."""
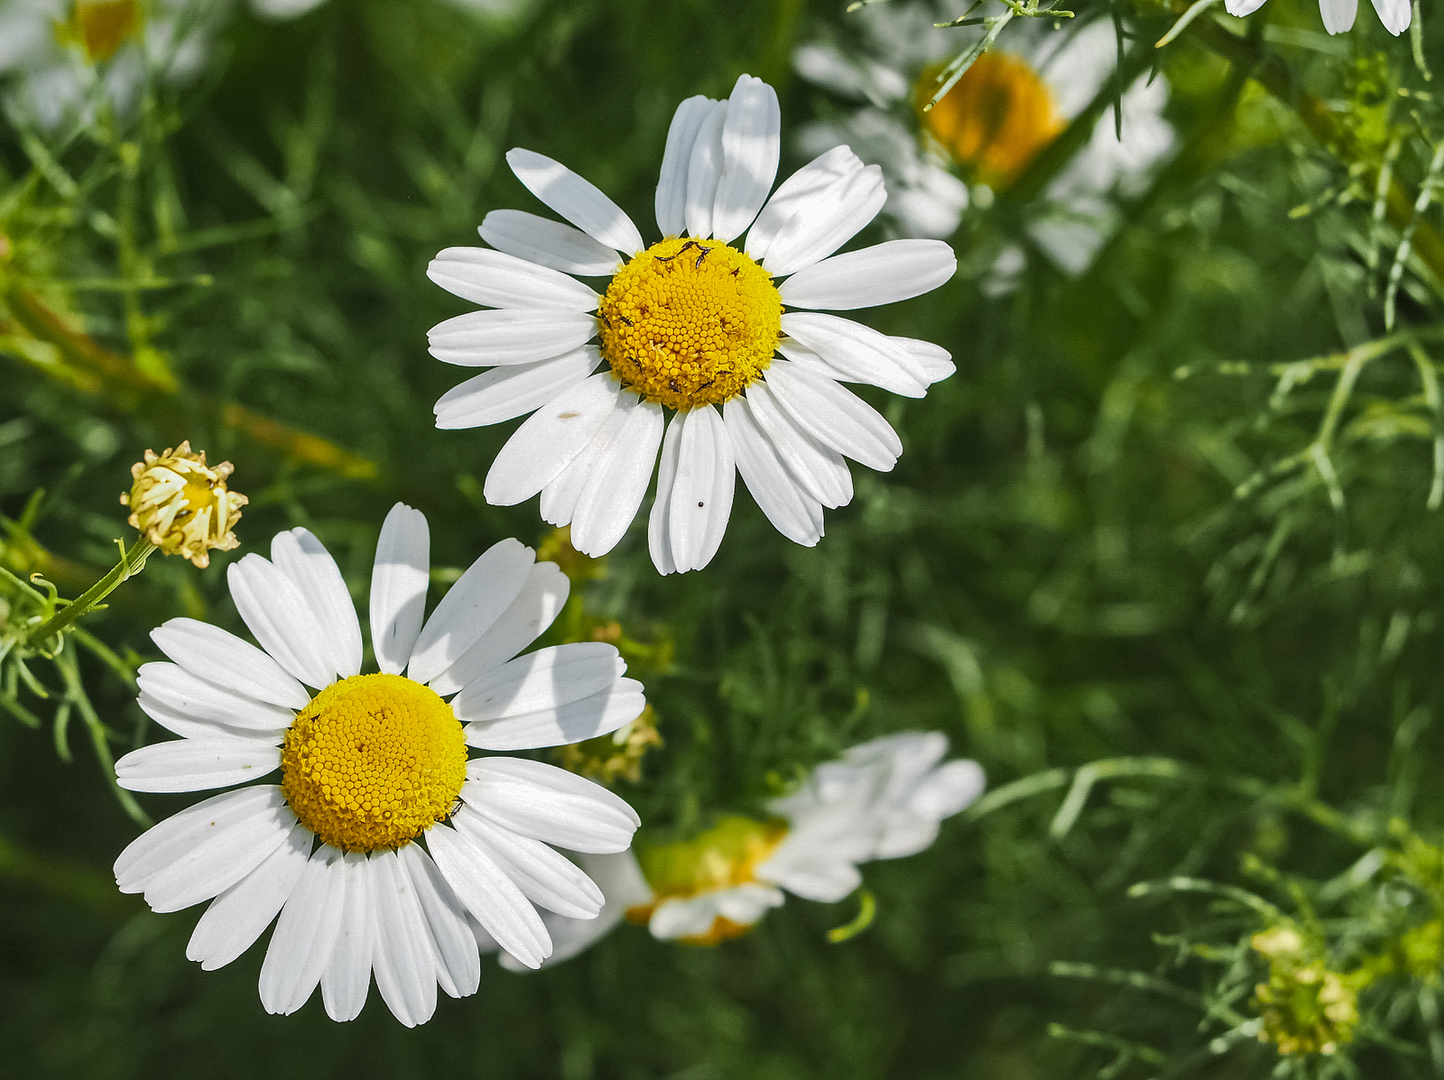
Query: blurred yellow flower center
{"points": [[372, 762], [996, 119], [689, 322], [101, 27]]}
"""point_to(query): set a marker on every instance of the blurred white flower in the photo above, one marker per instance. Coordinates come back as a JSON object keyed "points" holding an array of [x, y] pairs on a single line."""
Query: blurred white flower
{"points": [[1339, 15]]}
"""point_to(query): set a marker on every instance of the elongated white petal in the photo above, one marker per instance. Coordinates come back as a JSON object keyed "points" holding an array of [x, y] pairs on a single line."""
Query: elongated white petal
{"points": [[549, 804], [578, 200], [704, 169], [1394, 14], [793, 512], [305, 934], [274, 610], [559, 498], [224, 709], [933, 362], [617, 482], [188, 728], [824, 223], [1338, 15], [405, 959], [702, 491], [546, 443], [305, 560], [347, 976], [212, 654], [238, 916], [546, 877], [504, 393], [547, 243], [496, 279], [543, 679], [659, 530], [882, 274], [597, 714], [819, 469], [835, 416], [489, 894], [799, 190], [470, 606], [624, 887], [196, 764], [859, 352], [671, 197], [824, 880], [534, 609], [1242, 7], [509, 336], [695, 916], [398, 586], [157, 849], [751, 144], [458, 965]]}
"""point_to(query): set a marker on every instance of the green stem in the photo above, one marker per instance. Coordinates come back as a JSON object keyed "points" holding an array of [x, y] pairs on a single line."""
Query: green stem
{"points": [[130, 564]]}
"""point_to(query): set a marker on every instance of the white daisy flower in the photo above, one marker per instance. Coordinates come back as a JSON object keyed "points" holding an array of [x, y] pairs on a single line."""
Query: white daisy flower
{"points": [[1339, 15], [1013, 101], [691, 323], [372, 764], [883, 799]]}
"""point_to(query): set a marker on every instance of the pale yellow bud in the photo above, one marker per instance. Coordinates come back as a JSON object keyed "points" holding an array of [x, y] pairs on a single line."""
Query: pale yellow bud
{"points": [[100, 27], [181, 505]]}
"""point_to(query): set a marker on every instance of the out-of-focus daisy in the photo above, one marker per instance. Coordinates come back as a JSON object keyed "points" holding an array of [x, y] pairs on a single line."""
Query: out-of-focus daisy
{"points": [[372, 765], [883, 799], [1005, 110], [1339, 15], [693, 324]]}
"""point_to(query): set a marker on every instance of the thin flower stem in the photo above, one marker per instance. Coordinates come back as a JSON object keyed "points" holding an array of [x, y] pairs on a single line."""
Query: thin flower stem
{"points": [[130, 564]]}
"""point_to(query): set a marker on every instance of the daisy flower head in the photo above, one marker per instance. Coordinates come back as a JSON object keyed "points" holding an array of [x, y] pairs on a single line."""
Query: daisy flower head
{"points": [[691, 325], [384, 849], [1339, 15], [883, 799]]}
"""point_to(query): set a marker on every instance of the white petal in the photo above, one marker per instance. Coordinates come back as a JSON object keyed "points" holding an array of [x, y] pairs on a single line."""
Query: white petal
{"points": [[196, 764], [550, 805], [490, 895], [825, 222], [277, 615], [598, 713], [496, 279], [671, 197], [305, 560], [859, 352], [238, 916], [617, 482], [623, 886], [160, 847], [1394, 14], [218, 657], [546, 877], [824, 880], [579, 201], [835, 417], [701, 500], [193, 697], [398, 586], [507, 392], [559, 498], [751, 143], [458, 967], [534, 609], [1339, 15], [934, 362], [820, 469], [543, 679], [509, 336], [704, 169], [470, 606], [305, 934], [546, 443], [547, 243], [347, 975], [881, 274], [799, 190], [659, 533], [794, 513], [695, 916], [187, 728], [405, 958], [1242, 7]]}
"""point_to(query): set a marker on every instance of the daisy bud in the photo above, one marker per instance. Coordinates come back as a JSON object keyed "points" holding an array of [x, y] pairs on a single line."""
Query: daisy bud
{"points": [[181, 504]]}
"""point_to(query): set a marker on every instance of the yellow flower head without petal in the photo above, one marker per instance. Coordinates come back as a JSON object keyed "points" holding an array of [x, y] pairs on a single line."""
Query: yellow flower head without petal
{"points": [[181, 504], [100, 27]]}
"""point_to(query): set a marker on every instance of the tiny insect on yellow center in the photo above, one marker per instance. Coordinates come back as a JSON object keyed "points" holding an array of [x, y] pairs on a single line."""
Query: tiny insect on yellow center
{"points": [[689, 322], [372, 762]]}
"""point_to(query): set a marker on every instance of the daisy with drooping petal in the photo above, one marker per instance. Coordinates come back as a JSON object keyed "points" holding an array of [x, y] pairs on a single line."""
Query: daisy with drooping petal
{"points": [[372, 764], [1339, 15], [883, 799], [693, 324]]}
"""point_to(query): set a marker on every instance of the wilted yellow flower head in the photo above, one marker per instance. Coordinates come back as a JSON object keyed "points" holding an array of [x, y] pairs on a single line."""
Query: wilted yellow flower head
{"points": [[1306, 1007], [181, 505]]}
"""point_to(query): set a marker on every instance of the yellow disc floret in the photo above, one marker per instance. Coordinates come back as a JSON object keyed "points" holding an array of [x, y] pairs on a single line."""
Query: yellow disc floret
{"points": [[690, 322], [372, 762]]}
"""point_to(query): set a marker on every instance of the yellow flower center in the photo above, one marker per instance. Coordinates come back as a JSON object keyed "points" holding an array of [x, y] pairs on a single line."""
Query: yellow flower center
{"points": [[101, 27], [372, 762], [996, 119], [689, 322]]}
